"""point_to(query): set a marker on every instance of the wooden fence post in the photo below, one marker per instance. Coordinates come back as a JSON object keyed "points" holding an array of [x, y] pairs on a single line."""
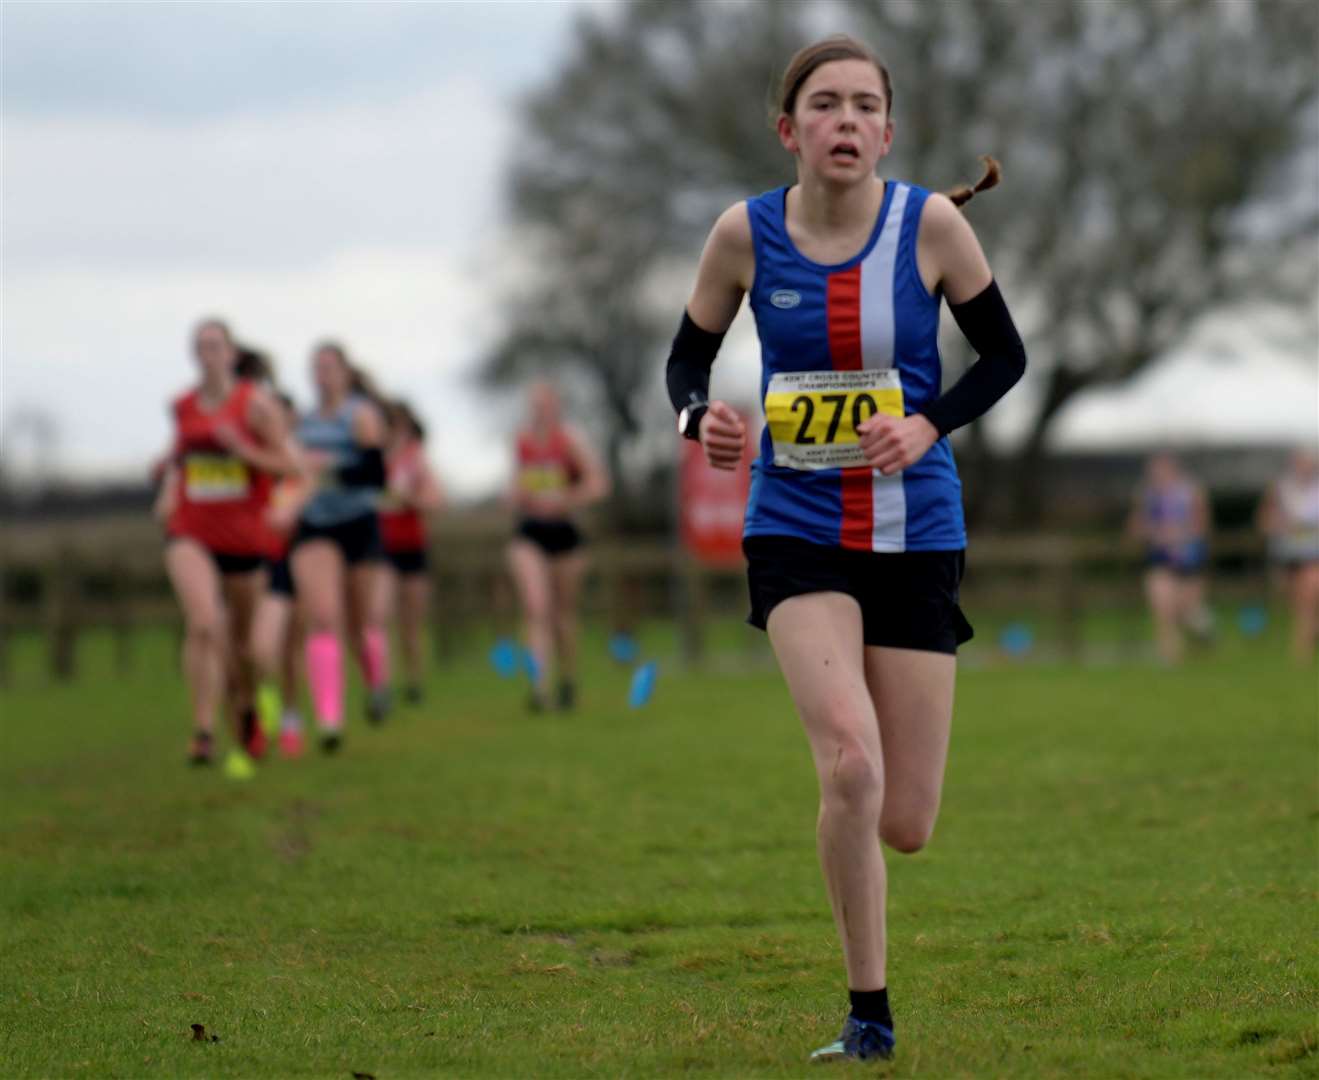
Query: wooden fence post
{"points": [[1070, 612], [61, 616], [6, 628], [503, 612], [691, 610], [121, 614], [444, 601], [5, 632]]}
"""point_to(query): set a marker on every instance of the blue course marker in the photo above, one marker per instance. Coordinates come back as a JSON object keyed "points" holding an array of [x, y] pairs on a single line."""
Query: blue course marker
{"points": [[1017, 639], [529, 666], [623, 647], [643, 684], [1252, 620], [505, 658]]}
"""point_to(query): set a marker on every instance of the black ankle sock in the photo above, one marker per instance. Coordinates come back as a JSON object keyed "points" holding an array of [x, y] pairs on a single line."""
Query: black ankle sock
{"points": [[872, 1005]]}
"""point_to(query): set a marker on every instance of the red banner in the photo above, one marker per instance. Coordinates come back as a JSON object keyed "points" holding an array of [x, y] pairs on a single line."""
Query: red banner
{"points": [[712, 504]]}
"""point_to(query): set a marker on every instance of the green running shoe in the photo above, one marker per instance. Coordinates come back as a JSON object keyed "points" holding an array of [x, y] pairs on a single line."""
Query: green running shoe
{"points": [[238, 766], [269, 706]]}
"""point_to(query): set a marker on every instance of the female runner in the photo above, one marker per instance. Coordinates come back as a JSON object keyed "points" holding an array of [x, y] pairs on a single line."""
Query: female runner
{"points": [[412, 491], [336, 553], [1171, 516], [557, 473], [229, 444], [276, 628], [1290, 518], [854, 534]]}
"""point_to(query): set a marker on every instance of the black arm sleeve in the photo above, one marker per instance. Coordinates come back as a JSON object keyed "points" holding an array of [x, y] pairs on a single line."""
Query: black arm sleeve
{"points": [[690, 361], [987, 324], [369, 472]]}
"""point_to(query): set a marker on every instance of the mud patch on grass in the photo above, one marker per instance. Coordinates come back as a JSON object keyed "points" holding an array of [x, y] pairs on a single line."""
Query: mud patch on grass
{"points": [[1293, 1048], [292, 841]]}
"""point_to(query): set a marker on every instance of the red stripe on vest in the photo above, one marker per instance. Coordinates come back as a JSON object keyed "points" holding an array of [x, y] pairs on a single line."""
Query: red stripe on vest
{"points": [[843, 308]]}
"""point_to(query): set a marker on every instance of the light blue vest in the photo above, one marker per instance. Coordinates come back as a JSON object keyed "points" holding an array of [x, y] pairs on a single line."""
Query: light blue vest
{"points": [[333, 435]]}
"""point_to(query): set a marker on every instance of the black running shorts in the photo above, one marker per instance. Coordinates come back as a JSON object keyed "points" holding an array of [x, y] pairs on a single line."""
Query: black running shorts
{"points": [[552, 537], [358, 538], [406, 563], [279, 577], [909, 600]]}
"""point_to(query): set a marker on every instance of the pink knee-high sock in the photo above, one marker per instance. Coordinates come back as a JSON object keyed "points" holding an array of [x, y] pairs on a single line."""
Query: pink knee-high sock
{"points": [[375, 657], [325, 677]]}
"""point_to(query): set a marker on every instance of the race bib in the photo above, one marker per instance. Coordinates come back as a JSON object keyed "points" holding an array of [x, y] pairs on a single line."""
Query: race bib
{"points": [[214, 478], [813, 415], [539, 479]]}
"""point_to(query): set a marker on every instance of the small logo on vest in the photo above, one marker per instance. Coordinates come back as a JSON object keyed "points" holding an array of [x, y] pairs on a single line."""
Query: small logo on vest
{"points": [[785, 298]]}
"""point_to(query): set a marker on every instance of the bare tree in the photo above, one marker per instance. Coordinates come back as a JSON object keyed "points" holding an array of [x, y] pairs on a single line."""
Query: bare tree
{"points": [[1144, 146], [29, 451]]}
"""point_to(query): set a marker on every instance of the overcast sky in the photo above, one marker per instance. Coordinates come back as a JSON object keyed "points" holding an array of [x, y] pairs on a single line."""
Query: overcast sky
{"points": [[304, 170]]}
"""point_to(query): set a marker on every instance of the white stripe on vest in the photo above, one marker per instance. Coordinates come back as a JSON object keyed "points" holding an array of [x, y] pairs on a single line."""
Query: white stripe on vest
{"points": [[888, 500]]}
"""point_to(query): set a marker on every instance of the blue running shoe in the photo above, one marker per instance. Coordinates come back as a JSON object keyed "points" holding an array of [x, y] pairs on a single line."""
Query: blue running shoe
{"points": [[861, 1039]]}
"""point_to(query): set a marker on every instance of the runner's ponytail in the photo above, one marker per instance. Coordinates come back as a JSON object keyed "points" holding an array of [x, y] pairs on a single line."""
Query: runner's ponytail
{"points": [[993, 174]]}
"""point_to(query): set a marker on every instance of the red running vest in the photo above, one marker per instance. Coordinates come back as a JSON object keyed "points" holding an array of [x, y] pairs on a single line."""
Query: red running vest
{"points": [[545, 466], [402, 528], [221, 499]]}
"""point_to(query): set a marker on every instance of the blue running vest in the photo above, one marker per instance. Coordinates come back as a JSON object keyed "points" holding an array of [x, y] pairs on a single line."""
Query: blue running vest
{"points": [[837, 344]]}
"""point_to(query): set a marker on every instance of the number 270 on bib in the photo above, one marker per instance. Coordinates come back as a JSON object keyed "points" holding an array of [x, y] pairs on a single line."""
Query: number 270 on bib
{"points": [[813, 415]]}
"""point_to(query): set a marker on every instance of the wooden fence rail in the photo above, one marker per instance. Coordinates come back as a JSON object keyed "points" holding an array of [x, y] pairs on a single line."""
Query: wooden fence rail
{"points": [[70, 581]]}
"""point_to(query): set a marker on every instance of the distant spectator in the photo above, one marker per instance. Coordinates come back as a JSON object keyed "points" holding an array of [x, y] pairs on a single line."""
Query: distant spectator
{"points": [[1289, 515], [1170, 516]]}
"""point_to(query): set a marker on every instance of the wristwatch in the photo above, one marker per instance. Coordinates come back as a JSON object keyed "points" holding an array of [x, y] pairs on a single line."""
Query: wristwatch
{"points": [[689, 420]]}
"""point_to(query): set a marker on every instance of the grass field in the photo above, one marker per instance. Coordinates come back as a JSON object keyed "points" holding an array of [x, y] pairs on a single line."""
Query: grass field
{"points": [[1122, 884]]}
